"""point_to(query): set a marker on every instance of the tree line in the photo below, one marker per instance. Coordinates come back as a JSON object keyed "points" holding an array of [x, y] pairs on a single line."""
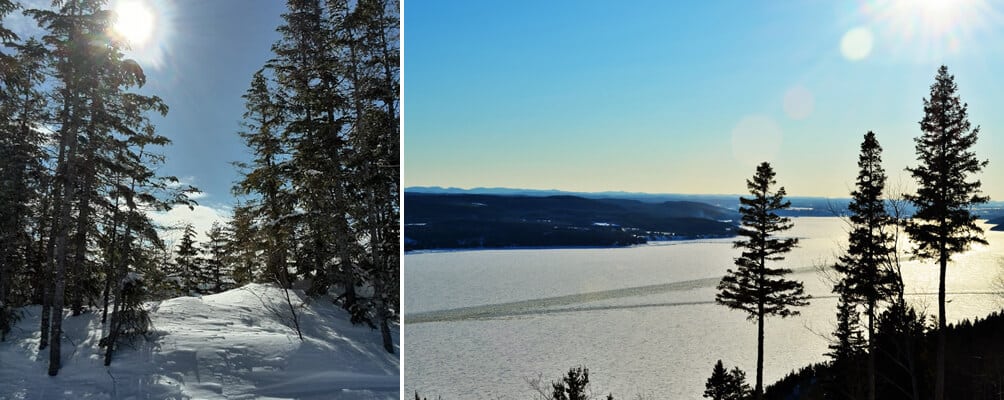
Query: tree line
{"points": [[78, 173], [321, 193], [870, 279]]}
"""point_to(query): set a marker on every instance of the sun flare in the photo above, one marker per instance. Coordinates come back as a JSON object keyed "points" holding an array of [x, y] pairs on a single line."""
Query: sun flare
{"points": [[134, 22]]}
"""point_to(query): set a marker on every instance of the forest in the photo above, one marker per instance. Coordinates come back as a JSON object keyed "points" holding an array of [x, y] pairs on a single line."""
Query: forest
{"points": [[318, 204]]}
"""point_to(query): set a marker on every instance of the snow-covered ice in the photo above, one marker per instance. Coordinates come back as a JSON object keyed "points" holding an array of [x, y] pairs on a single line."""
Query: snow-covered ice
{"points": [[237, 344]]}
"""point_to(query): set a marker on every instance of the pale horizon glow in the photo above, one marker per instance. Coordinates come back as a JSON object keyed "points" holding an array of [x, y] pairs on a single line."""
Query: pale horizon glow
{"points": [[501, 98]]}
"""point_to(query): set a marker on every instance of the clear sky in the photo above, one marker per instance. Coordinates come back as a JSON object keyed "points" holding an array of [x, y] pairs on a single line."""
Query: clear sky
{"points": [[199, 57], [687, 96]]}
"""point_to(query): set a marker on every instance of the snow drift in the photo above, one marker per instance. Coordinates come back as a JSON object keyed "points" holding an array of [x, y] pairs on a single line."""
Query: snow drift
{"points": [[238, 344]]}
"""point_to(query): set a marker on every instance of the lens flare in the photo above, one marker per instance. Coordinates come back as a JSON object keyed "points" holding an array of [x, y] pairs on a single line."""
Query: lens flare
{"points": [[857, 44]]}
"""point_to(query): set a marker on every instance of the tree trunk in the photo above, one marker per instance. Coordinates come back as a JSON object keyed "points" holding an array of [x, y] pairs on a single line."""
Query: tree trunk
{"points": [[59, 283], [939, 382], [43, 341], [78, 275], [113, 330], [758, 392], [388, 341], [871, 350]]}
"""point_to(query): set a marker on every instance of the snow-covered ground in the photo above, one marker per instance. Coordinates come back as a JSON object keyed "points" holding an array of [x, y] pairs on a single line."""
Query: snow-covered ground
{"points": [[233, 345]]}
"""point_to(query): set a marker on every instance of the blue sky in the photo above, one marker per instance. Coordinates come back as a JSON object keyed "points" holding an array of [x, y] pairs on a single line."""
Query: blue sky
{"points": [[686, 97], [200, 61]]}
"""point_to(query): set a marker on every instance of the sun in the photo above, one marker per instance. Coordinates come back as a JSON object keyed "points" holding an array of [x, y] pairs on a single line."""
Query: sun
{"points": [[924, 30], [135, 22]]}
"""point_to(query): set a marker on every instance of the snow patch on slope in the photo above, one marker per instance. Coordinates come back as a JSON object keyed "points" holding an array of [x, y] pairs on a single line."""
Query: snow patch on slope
{"points": [[237, 344]]}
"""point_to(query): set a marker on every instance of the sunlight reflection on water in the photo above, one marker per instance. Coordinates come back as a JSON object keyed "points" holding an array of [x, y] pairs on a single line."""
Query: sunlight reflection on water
{"points": [[642, 318]]}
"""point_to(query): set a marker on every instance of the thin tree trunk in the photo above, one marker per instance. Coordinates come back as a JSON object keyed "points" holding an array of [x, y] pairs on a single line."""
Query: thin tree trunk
{"points": [[113, 330], [59, 283], [759, 354], [77, 274], [110, 264], [49, 253], [939, 382], [871, 350], [120, 270], [388, 341]]}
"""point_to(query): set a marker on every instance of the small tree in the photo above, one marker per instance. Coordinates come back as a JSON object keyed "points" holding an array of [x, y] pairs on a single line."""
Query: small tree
{"points": [[849, 343], [187, 261], [574, 386], [845, 351], [754, 287], [217, 263], [726, 385], [943, 224]]}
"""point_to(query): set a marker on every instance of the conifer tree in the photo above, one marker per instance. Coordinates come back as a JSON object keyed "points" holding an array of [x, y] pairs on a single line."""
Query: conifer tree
{"points": [[22, 173], [845, 350], [243, 246], [726, 385], [943, 224], [216, 260], [188, 262], [755, 287], [865, 276], [267, 176]]}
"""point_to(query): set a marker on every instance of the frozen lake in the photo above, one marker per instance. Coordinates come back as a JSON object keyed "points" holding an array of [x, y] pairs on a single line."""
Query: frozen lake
{"points": [[642, 319]]}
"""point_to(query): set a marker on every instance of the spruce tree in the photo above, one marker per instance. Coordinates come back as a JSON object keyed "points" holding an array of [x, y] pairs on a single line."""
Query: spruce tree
{"points": [[725, 384], [267, 176], [188, 262], [755, 287], [846, 349], [943, 224], [216, 260], [243, 246], [865, 274], [23, 176]]}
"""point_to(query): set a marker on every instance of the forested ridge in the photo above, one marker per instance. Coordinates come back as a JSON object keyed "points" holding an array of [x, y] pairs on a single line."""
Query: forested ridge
{"points": [[445, 221], [79, 156]]}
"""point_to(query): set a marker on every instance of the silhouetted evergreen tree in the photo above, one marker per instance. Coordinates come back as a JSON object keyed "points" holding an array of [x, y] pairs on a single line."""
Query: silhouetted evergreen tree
{"points": [[726, 385], [901, 353], [943, 224], [845, 352], [754, 287], [865, 276]]}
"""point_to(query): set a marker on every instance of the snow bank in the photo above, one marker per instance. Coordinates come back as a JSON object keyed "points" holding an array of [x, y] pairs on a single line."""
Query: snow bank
{"points": [[234, 345]]}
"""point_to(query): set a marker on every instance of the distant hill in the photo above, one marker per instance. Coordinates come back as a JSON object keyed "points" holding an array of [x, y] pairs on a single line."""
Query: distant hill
{"points": [[441, 221], [801, 206], [998, 222]]}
